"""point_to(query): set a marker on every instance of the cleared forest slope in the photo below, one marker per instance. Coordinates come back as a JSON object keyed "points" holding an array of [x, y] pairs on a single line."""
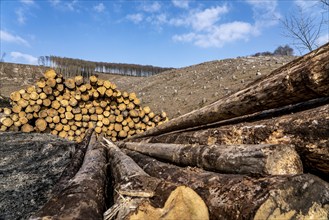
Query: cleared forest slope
{"points": [[175, 91]]}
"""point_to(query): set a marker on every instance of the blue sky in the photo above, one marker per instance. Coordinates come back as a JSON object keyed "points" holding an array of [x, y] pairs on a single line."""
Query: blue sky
{"points": [[169, 33]]}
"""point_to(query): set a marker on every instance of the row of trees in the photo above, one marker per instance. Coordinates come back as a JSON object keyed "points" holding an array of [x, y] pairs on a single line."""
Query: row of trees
{"points": [[279, 51], [71, 67]]}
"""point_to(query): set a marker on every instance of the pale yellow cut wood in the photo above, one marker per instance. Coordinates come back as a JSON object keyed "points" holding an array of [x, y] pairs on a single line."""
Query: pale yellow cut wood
{"points": [[15, 96], [41, 124], [117, 127], [78, 80], [101, 90], [46, 102], [51, 82], [27, 128], [62, 134], [100, 82], [16, 108], [107, 84], [30, 89], [183, 203], [69, 115], [50, 74], [60, 87], [93, 79], [41, 83], [48, 90], [69, 83]]}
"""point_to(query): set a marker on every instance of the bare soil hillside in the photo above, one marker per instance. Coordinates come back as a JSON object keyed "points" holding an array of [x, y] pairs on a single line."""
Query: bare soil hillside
{"points": [[175, 91], [182, 90]]}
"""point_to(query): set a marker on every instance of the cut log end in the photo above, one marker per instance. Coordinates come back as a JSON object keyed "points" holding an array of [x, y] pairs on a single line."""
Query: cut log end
{"points": [[183, 203], [283, 160]]}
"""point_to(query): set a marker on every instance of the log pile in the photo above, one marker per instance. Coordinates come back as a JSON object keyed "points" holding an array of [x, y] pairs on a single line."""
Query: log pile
{"points": [[68, 107]]}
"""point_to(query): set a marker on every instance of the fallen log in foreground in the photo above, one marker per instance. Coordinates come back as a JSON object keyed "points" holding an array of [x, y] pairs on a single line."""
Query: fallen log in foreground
{"points": [[73, 167], [266, 159], [241, 197], [300, 80], [307, 130], [84, 195], [140, 196]]}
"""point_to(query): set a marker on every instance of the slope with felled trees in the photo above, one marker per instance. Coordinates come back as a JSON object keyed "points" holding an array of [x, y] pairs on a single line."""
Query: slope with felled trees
{"points": [[243, 157]]}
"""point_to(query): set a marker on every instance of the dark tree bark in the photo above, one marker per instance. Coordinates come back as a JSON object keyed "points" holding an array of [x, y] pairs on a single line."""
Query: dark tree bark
{"points": [[300, 80], [84, 195], [133, 188], [263, 159], [73, 167], [307, 130], [243, 197]]}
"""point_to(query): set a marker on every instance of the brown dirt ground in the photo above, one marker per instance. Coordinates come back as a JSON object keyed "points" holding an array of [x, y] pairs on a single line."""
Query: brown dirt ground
{"points": [[176, 91]]}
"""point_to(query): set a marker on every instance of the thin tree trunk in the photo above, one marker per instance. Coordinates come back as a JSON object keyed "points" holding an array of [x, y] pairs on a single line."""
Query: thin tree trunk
{"points": [[243, 197], [300, 80], [263, 159]]}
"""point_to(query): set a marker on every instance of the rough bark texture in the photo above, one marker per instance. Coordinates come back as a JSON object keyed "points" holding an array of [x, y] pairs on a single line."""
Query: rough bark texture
{"points": [[307, 130], [300, 80], [243, 197], [262, 159], [132, 186], [84, 195], [30, 166], [73, 167]]}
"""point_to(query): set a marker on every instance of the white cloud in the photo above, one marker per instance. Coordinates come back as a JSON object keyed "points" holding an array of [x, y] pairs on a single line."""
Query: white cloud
{"points": [[71, 5], [190, 37], [54, 2], [181, 3], [219, 35], [99, 8], [207, 18], [323, 39], [20, 13], [201, 20], [136, 18], [7, 37], [306, 4], [27, 2], [265, 13], [26, 58], [154, 7], [65, 5]]}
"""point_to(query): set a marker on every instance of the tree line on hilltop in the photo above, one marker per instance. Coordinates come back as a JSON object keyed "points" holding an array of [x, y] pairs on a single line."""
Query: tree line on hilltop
{"points": [[72, 67], [279, 51]]}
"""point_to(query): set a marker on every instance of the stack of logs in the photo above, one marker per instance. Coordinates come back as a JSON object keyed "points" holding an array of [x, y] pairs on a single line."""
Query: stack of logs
{"points": [[68, 107]]}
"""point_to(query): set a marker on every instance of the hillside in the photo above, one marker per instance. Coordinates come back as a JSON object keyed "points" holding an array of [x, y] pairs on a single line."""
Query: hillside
{"points": [[175, 91]]}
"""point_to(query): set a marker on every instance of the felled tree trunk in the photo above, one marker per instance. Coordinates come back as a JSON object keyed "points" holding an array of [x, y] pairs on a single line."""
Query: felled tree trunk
{"points": [[83, 197], [264, 159], [73, 167], [302, 79], [140, 196], [307, 130], [243, 197]]}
